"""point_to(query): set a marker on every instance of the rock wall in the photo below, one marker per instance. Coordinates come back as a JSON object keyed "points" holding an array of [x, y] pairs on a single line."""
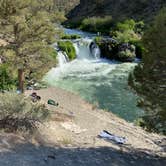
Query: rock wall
{"points": [[66, 5], [119, 9]]}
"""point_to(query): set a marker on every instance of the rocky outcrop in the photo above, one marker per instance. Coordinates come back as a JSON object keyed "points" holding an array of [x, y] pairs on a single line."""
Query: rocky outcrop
{"points": [[119, 9], [65, 5], [111, 49]]}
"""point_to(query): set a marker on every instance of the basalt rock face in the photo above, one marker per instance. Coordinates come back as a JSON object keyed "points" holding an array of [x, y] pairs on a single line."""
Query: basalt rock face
{"points": [[119, 9], [66, 5]]}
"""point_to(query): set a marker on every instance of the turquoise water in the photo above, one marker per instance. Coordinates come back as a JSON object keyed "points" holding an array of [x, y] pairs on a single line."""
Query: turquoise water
{"points": [[99, 81]]}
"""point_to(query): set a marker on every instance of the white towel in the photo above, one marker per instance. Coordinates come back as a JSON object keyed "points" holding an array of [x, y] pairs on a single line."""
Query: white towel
{"points": [[117, 139]]}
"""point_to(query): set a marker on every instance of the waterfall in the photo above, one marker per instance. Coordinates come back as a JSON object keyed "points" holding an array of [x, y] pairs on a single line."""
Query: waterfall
{"points": [[62, 58], [86, 49], [95, 79], [95, 50]]}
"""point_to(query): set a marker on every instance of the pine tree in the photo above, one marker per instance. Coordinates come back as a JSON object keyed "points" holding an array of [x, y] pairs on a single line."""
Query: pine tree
{"points": [[28, 28], [150, 76]]}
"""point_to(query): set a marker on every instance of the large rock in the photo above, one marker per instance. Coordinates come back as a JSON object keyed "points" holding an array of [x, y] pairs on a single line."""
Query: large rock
{"points": [[111, 49]]}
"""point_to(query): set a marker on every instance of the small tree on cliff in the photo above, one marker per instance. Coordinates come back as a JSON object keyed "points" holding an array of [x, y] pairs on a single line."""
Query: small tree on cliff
{"points": [[27, 27]]}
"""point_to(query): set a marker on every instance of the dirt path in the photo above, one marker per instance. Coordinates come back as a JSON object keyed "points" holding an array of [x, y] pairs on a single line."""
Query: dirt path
{"points": [[70, 138]]}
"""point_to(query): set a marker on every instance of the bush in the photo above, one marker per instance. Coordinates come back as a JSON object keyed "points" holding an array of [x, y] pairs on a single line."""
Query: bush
{"points": [[71, 37], [18, 113], [126, 25], [97, 24], [7, 78], [126, 36], [98, 39], [128, 31], [73, 24], [68, 47], [139, 48]]}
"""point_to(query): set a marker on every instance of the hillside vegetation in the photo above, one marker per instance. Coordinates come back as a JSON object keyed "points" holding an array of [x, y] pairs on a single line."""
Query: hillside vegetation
{"points": [[149, 77]]}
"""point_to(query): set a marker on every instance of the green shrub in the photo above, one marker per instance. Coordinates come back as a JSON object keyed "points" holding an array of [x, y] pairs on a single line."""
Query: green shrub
{"points": [[72, 24], [68, 47], [126, 25], [98, 39], [128, 31], [97, 24], [7, 78], [139, 48], [126, 36], [75, 36], [19, 113], [137, 27]]}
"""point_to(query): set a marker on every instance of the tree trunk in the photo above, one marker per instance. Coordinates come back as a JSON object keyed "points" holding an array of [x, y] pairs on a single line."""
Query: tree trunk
{"points": [[21, 80]]}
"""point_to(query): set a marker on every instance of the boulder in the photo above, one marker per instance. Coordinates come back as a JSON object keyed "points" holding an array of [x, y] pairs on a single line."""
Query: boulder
{"points": [[111, 49]]}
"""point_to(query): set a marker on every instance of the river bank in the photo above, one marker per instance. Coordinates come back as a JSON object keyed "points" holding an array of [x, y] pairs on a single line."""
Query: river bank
{"points": [[70, 137]]}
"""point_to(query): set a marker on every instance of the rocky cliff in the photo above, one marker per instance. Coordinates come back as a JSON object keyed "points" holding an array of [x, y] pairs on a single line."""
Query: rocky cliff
{"points": [[65, 5], [119, 9]]}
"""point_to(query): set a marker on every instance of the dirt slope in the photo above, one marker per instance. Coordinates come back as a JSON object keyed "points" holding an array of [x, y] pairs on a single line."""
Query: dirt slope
{"points": [[70, 138]]}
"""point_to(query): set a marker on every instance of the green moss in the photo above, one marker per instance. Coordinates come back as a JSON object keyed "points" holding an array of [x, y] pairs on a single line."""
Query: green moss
{"points": [[53, 53], [98, 39], [68, 47], [75, 36]]}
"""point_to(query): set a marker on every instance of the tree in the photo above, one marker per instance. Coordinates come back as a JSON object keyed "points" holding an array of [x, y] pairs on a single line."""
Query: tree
{"points": [[28, 28], [150, 76]]}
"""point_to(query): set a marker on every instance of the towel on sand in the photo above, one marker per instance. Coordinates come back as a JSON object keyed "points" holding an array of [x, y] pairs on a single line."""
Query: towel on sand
{"points": [[108, 136]]}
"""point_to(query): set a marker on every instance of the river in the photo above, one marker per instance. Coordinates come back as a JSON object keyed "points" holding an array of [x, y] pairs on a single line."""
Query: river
{"points": [[99, 81]]}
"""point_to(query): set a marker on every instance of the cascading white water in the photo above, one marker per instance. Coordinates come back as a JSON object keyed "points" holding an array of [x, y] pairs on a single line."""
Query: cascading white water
{"points": [[62, 58], [96, 80], [95, 50], [86, 49]]}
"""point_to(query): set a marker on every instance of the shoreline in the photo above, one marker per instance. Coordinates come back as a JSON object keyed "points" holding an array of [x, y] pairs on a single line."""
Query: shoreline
{"points": [[70, 138], [82, 123]]}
